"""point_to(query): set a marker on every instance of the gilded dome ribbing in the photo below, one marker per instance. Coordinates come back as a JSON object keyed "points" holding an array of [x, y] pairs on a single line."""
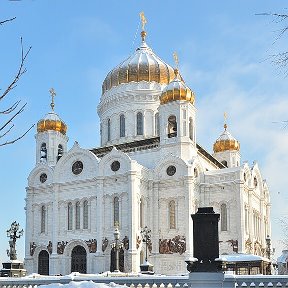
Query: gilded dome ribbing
{"points": [[226, 142], [143, 65], [177, 90], [51, 122]]}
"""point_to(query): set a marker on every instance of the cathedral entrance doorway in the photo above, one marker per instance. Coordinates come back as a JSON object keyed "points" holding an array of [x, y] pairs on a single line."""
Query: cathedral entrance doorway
{"points": [[79, 260], [43, 263], [113, 258]]}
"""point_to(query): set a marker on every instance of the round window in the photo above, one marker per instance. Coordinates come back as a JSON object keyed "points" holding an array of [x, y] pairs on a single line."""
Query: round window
{"points": [[77, 167], [43, 177], [171, 170], [115, 166]]}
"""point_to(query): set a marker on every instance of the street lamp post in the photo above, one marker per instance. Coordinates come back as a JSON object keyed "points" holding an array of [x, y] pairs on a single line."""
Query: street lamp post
{"points": [[146, 267], [13, 268], [146, 238], [13, 233], [268, 247], [117, 245]]}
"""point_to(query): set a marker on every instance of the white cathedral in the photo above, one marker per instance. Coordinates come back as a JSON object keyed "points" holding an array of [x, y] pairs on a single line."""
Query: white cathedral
{"points": [[149, 171]]}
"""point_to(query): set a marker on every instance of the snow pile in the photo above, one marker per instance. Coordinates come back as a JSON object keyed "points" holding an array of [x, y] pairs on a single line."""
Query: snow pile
{"points": [[82, 284]]}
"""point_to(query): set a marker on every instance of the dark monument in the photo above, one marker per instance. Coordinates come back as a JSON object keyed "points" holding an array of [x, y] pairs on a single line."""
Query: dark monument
{"points": [[205, 242], [14, 267], [116, 252]]}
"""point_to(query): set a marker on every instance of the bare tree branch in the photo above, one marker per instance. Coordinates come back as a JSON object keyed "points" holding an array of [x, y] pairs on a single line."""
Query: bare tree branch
{"points": [[12, 117], [19, 73], [13, 110], [279, 59], [4, 21], [20, 137]]}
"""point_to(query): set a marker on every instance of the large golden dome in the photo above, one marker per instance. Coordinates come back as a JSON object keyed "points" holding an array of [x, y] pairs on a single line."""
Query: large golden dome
{"points": [[51, 122], [143, 65], [226, 142], [177, 90]]}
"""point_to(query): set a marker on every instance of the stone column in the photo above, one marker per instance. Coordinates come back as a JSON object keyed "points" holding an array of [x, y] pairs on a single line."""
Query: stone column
{"points": [[99, 215], [188, 207], [133, 181], [53, 269]]}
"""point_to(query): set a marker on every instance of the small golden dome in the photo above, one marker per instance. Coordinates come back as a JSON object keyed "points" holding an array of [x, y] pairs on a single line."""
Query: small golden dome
{"points": [[143, 65], [51, 122], [226, 142], [177, 90]]}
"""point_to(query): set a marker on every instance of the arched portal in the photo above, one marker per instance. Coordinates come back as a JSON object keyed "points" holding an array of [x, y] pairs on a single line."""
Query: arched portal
{"points": [[79, 260], [113, 258], [43, 263]]}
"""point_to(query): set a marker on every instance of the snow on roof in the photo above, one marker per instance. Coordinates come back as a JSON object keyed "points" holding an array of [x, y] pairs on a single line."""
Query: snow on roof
{"points": [[284, 257], [241, 258]]}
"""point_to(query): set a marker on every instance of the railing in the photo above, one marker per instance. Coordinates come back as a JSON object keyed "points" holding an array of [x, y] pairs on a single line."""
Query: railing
{"points": [[203, 280]]}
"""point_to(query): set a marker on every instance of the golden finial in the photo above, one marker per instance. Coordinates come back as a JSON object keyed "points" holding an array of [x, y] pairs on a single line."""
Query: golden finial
{"points": [[53, 94], [144, 21], [176, 59], [225, 120]]}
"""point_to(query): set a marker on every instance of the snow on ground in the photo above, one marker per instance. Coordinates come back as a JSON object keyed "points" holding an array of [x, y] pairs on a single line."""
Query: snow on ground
{"points": [[81, 284]]}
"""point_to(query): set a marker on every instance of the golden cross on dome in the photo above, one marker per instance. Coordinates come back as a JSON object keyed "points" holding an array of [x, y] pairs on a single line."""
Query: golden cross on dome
{"points": [[225, 120], [53, 94], [143, 20]]}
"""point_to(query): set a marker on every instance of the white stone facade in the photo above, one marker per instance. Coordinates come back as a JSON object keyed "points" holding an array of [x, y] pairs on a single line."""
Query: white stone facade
{"points": [[160, 182]]}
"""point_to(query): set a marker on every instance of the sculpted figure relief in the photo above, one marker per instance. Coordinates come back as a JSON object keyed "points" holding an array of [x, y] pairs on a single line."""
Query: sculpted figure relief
{"points": [[32, 248], [104, 244], [49, 247], [92, 245], [125, 242], [61, 247], [175, 245]]}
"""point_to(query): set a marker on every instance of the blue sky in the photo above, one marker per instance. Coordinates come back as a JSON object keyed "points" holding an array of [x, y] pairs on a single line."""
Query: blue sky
{"points": [[224, 53]]}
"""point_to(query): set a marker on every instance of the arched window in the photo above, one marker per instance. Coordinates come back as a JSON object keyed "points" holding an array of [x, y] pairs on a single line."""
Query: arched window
{"points": [[60, 152], [108, 130], [43, 219], [70, 216], [191, 130], [116, 211], [172, 222], [122, 125], [85, 214], [246, 220], [255, 182], [157, 124], [223, 217], [101, 135], [77, 215], [139, 123], [172, 126], [196, 172], [43, 152]]}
